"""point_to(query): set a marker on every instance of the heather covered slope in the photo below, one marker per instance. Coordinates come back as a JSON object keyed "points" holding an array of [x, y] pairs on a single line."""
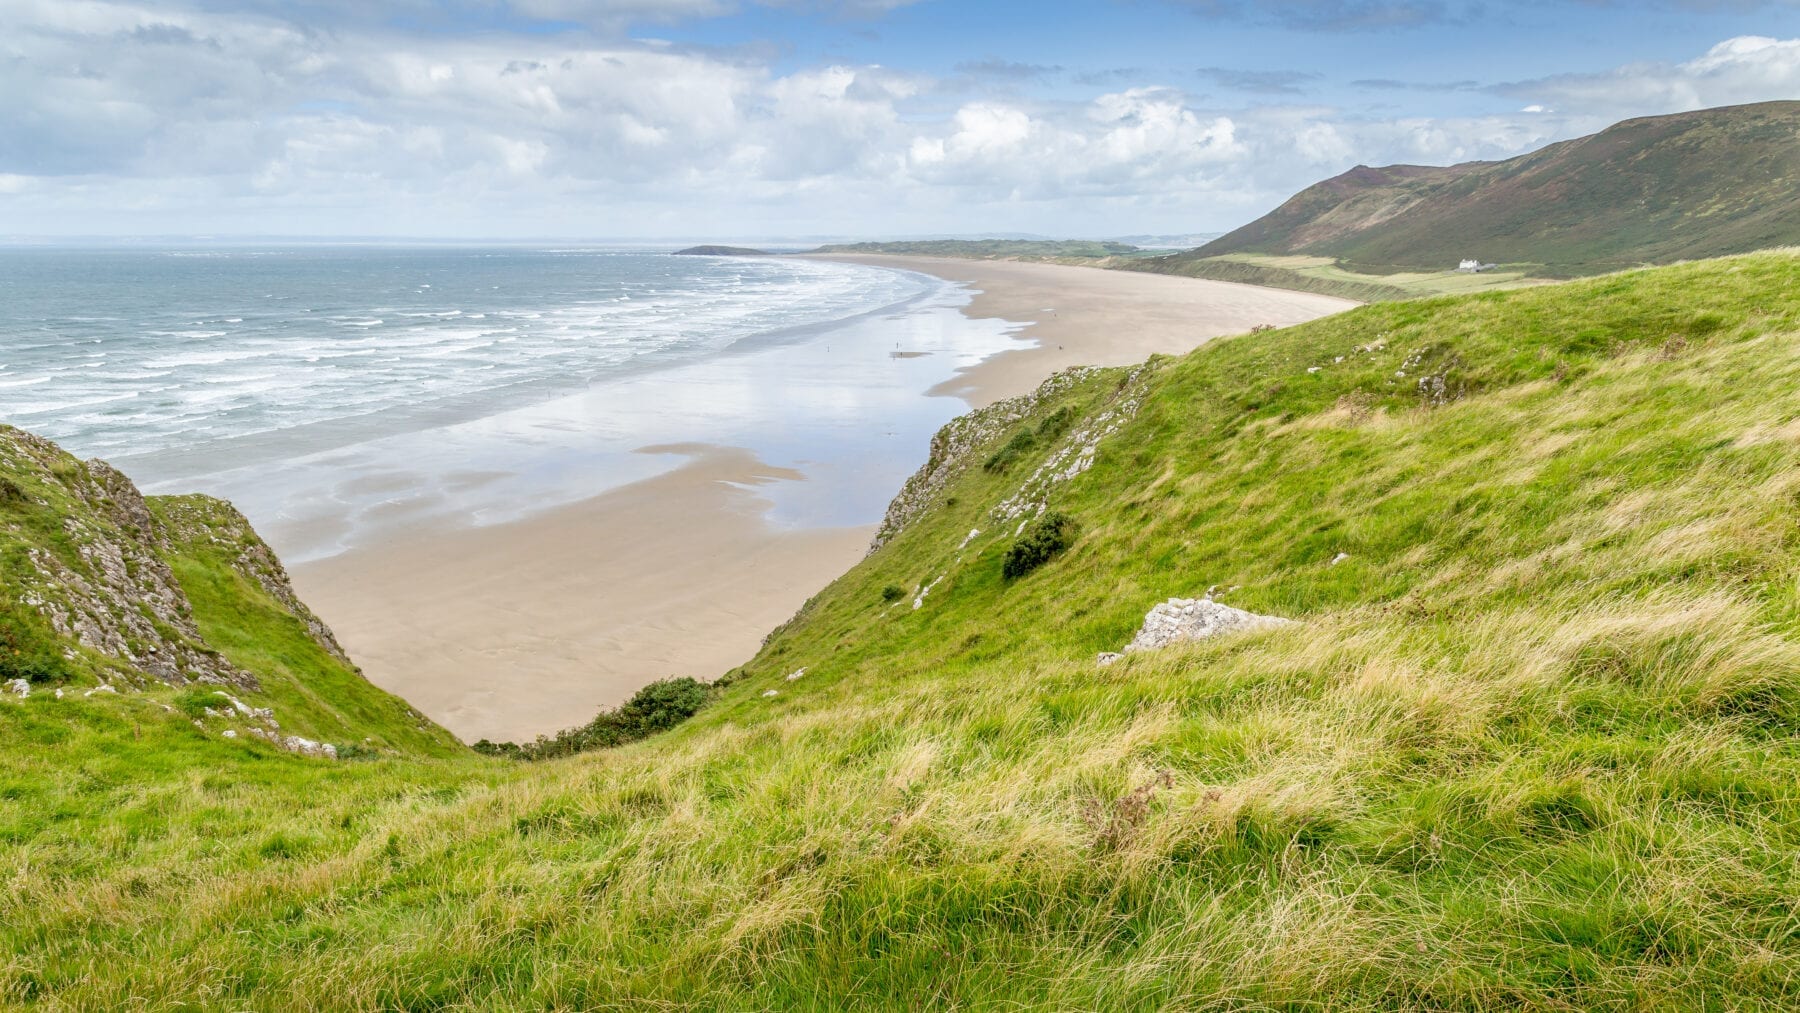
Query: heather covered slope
{"points": [[1645, 191], [1531, 743]]}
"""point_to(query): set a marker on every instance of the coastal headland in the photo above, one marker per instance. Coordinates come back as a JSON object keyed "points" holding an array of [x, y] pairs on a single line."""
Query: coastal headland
{"points": [[518, 629]]}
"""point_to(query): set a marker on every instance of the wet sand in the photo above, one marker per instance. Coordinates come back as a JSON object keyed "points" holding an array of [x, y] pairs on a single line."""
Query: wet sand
{"points": [[1086, 316]]}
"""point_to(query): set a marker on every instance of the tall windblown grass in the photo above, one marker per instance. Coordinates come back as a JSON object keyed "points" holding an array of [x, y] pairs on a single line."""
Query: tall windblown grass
{"points": [[1531, 743]]}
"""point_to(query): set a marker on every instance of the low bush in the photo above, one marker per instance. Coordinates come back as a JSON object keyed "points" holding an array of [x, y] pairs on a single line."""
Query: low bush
{"points": [[28, 647], [657, 707], [893, 593], [1056, 423], [1022, 441], [1042, 540]]}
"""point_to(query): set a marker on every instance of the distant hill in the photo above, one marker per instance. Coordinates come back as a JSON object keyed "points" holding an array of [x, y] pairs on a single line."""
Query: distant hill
{"points": [[1184, 241], [1645, 191], [994, 249], [720, 251]]}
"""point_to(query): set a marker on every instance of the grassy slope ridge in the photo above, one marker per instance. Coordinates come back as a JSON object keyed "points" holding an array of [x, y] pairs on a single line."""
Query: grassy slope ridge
{"points": [[1645, 191], [1533, 742], [217, 609], [1270, 272]]}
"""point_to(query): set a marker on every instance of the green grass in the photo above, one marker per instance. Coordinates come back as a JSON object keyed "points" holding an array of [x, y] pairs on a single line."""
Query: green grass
{"points": [[1532, 743], [310, 690], [1326, 276]]}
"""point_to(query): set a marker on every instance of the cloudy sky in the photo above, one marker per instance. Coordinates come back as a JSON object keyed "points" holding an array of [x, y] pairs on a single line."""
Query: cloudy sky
{"points": [[768, 118]]}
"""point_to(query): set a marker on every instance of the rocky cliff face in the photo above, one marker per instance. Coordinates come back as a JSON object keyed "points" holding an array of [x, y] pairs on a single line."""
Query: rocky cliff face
{"points": [[80, 548], [957, 444], [205, 519]]}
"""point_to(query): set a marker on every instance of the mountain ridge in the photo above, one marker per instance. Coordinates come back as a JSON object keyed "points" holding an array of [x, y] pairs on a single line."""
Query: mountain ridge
{"points": [[1647, 190]]}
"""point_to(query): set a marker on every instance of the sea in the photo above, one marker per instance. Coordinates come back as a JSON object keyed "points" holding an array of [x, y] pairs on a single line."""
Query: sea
{"points": [[343, 395]]}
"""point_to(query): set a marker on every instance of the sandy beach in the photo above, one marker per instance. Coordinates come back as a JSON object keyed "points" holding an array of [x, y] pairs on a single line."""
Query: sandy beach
{"points": [[508, 631], [519, 629], [1086, 316]]}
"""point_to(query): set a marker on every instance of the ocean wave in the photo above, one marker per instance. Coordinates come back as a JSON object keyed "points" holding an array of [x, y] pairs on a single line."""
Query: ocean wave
{"points": [[329, 343]]}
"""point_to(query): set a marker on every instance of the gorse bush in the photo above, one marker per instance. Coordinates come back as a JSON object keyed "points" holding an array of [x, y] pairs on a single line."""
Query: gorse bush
{"points": [[1042, 540], [892, 593], [657, 707]]}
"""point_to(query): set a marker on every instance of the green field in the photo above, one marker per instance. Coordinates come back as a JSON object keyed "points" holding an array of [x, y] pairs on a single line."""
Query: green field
{"points": [[1327, 277], [1531, 743]]}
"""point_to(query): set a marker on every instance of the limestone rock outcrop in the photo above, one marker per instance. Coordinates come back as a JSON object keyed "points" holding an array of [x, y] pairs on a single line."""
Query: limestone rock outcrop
{"points": [[103, 579], [957, 444], [1182, 619]]}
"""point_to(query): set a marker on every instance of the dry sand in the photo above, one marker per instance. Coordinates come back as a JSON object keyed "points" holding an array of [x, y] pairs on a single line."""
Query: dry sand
{"points": [[510, 631], [1086, 316]]}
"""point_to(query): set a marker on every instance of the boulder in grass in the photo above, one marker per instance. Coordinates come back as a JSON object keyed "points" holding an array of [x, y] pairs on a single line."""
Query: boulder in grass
{"points": [[1180, 619]]}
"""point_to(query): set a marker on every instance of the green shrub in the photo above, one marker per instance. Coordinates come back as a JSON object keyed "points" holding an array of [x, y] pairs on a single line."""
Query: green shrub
{"points": [[1056, 423], [29, 649], [1043, 539], [657, 707], [10, 491], [893, 593], [1022, 441], [664, 704]]}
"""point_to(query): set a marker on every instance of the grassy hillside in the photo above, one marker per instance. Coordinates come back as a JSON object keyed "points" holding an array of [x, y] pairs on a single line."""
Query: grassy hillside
{"points": [[1646, 191], [1531, 743], [168, 603], [1326, 277]]}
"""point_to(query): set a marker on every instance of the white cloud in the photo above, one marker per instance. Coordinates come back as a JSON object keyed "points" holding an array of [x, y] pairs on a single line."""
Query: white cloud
{"points": [[131, 116], [1749, 68]]}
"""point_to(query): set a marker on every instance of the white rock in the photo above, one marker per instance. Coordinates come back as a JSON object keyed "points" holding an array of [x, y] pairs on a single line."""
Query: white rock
{"points": [[1340, 557], [771, 692], [59, 693], [102, 688], [1108, 657], [229, 733], [1313, 369], [972, 535], [19, 688], [919, 601], [797, 674], [1180, 619]]}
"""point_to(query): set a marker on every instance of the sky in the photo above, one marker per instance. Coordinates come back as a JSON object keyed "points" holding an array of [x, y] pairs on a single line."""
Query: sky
{"points": [[746, 119]]}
